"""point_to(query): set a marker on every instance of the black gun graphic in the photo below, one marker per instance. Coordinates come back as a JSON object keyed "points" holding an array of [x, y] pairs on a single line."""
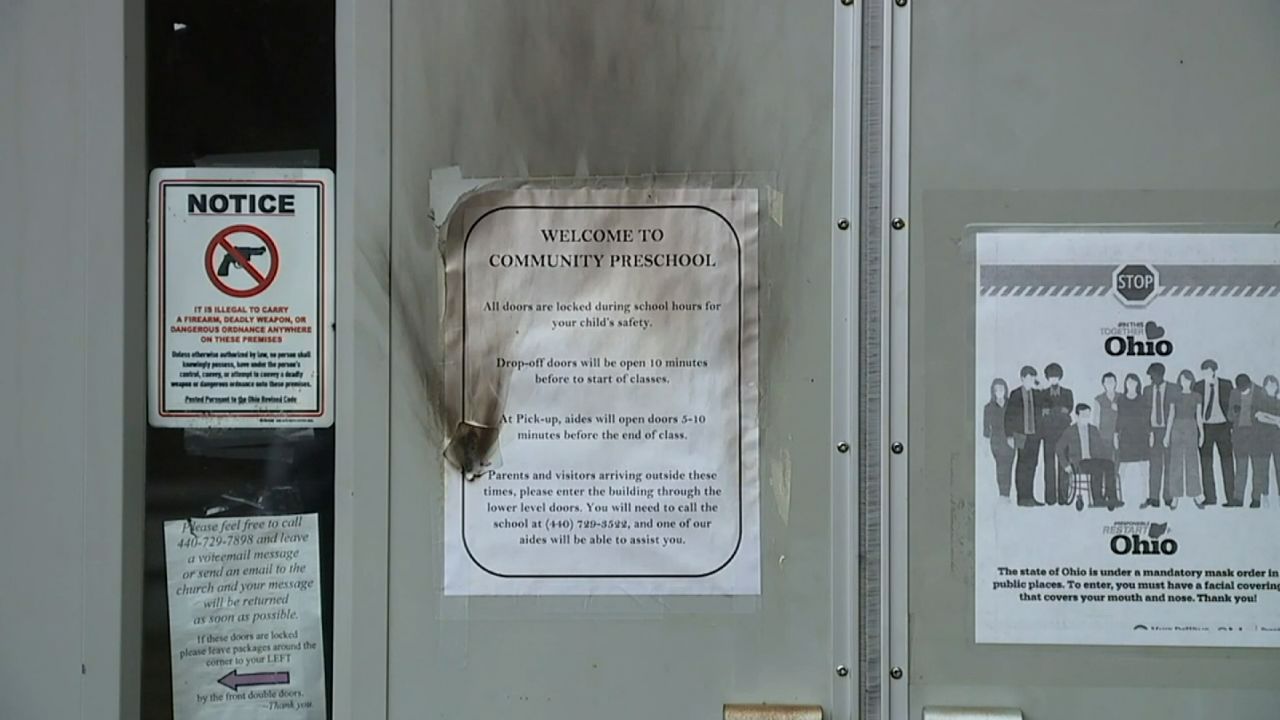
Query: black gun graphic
{"points": [[229, 259]]}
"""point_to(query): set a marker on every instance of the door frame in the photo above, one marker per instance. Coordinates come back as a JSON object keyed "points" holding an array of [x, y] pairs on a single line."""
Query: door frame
{"points": [[846, 291], [897, 126], [363, 367]]}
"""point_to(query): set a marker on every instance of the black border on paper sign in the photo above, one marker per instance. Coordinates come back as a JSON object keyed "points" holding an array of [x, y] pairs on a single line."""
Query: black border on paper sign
{"points": [[463, 366], [321, 287]]}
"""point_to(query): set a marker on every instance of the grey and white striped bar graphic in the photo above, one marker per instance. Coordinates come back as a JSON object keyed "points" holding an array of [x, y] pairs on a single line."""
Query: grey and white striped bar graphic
{"points": [[1089, 280]]}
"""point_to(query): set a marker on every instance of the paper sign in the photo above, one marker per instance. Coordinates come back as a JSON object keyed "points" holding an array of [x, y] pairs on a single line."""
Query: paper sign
{"points": [[1127, 428], [241, 297], [611, 338], [244, 618]]}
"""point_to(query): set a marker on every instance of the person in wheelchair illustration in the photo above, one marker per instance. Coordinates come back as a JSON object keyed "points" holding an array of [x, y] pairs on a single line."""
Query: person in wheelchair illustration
{"points": [[1084, 454]]}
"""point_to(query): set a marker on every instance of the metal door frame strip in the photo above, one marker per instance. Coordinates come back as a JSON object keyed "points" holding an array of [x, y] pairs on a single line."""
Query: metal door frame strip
{"points": [[872, 351], [845, 367], [362, 408], [897, 124], [884, 200]]}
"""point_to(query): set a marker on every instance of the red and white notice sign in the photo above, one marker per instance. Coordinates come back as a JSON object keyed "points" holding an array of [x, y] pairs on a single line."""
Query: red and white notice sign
{"points": [[241, 297]]}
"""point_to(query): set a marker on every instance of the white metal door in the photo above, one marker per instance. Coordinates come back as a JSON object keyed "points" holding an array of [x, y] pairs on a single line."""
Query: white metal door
{"points": [[626, 93], [1075, 113]]}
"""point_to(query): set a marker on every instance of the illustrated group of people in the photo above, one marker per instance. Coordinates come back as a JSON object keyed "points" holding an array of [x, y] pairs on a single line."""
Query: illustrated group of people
{"points": [[1165, 430]]}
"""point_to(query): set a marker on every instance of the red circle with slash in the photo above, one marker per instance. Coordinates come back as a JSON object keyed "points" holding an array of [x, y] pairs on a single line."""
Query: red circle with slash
{"points": [[241, 260]]}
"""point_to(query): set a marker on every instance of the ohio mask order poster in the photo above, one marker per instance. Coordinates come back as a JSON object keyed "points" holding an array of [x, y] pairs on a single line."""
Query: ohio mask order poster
{"points": [[1127, 435]]}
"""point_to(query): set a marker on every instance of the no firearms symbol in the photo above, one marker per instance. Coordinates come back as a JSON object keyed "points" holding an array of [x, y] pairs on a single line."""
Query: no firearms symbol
{"points": [[242, 260]]}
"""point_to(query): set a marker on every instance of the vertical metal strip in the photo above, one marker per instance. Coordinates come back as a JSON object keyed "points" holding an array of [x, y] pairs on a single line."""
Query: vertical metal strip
{"points": [[897, 124], [363, 371], [871, 303], [104, 77], [884, 196], [845, 282]]}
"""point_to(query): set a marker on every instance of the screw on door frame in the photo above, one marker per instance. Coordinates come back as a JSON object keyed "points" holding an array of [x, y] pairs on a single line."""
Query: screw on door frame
{"points": [[843, 223], [898, 223], [842, 671], [897, 448], [843, 447], [900, 3], [896, 673], [846, 2]]}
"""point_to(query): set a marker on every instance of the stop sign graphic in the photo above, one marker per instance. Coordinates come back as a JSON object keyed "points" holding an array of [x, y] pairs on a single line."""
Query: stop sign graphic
{"points": [[1135, 285]]}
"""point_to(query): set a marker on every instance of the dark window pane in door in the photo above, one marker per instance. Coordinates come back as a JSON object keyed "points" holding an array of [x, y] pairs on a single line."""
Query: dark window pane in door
{"points": [[244, 83]]}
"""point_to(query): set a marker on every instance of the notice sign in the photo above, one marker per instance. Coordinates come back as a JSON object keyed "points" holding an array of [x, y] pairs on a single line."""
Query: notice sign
{"points": [[1127, 430], [244, 618], [241, 297], [611, 338]]}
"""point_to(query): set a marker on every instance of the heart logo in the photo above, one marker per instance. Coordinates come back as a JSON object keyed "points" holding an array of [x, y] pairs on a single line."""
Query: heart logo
{"points": [[1153, 331]]}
